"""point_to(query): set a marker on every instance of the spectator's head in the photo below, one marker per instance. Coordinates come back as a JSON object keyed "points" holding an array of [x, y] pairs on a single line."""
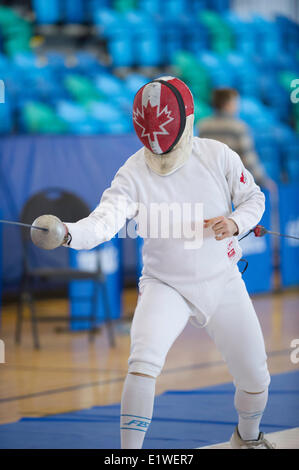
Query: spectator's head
{"points": [[226, 100]]}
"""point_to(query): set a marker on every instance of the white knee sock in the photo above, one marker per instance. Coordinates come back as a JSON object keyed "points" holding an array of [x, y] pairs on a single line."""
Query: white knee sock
{"points": [[136, 410], [250, 407]]}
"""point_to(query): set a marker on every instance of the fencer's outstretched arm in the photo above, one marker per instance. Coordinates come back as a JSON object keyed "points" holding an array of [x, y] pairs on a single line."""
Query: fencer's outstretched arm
{"points": [[247, 198], [117, 204]]}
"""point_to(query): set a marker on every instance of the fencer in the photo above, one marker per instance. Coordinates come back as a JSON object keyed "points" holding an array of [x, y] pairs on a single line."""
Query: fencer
{"points": [[183, 280]]}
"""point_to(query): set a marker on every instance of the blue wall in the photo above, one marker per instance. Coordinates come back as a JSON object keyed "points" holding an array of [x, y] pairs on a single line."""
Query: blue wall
{"points": [[289, 225]]}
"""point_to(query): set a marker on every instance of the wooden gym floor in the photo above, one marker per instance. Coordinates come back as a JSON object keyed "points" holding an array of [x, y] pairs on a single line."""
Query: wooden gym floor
{"points": [[69, 373]]}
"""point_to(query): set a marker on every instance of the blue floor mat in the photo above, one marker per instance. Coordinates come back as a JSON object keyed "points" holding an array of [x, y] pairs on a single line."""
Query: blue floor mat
{"points": [[182, 420]]}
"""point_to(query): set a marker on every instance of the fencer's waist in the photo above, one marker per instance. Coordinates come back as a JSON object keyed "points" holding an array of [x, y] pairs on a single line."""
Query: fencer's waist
{"points": [[175, 264]]}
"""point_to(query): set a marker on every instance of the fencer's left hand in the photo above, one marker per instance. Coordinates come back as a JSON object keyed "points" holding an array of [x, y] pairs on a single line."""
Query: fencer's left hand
{"points": [[223, 227]]}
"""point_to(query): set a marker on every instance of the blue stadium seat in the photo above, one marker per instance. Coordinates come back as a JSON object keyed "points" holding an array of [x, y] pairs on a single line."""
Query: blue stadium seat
{"points": [[124, 103], [274, 95], [115, 91], [57, 63], [25, 60], [245, 38], [115, 28], [108, 22], [55, 59], [267, 37], [146, 40], [220, 71], [109, 85], [171, 37], [96, 4], [147, 48], [194, 36], [88, 63], [173, 8], [75, 11], [71, 111], [78, 120], [135, 81], [219, 5], [150, 6], [289, 34], [120, 48], [256, 114], [198, 5], [47, 12], [245, 74], [45, 86], [105, 112]]}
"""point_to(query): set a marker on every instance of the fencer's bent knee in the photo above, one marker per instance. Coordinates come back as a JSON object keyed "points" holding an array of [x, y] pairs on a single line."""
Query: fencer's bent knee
{"points": [[146, 358], [253, 380], [144, 368], [142, 375]]}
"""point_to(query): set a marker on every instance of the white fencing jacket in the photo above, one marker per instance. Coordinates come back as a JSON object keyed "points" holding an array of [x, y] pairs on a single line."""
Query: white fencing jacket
{"points": [[213, 176]]}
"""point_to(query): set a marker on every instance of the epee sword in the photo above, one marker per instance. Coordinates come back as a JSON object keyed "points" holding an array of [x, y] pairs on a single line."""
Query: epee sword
{"points": [[22, 225]]}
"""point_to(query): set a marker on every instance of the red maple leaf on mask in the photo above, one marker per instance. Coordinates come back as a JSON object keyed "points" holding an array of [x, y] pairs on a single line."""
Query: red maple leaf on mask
{"points": [[152, 121]]}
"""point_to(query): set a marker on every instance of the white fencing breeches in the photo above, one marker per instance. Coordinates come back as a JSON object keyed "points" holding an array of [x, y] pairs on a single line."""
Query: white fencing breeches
{"points": [[162, 314]]}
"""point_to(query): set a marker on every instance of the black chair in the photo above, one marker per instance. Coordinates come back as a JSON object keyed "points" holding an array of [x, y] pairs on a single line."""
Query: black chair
{"points": [[69, 208]]}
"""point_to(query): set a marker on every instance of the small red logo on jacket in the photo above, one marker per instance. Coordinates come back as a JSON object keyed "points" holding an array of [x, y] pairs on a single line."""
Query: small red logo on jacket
{"points": [[243, 178], [230, 250]]}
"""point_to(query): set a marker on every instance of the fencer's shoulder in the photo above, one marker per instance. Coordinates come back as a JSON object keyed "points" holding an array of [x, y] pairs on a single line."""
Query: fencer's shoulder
{"points": [[209, 147], [212, 153], [133, 163], [136, 158]]}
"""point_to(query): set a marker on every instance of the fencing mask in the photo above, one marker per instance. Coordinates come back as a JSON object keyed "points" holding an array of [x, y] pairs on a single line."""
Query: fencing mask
{"points": [[163, 117]]}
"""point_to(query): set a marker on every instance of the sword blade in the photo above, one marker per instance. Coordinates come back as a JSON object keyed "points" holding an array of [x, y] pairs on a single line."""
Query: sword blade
{"points": [[19, 224], [282, 235]]}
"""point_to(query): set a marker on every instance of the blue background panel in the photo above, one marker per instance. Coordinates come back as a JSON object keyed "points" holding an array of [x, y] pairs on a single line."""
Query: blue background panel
{"points": [[258, 252], [289, 225], [81, 292]]}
